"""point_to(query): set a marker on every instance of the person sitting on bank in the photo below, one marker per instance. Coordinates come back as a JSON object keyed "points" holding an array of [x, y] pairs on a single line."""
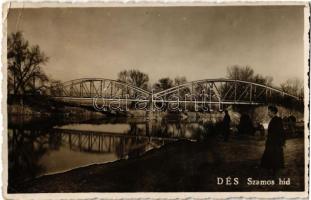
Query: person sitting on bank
{"points": [[273, 158]]}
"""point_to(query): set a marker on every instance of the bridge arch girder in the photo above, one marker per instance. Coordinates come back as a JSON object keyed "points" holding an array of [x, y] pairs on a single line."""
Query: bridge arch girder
{"points": [[98, 87], [227, 91]]}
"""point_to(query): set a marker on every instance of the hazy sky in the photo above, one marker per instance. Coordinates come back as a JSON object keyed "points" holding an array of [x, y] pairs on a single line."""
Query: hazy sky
{"points": [[196, 42]]}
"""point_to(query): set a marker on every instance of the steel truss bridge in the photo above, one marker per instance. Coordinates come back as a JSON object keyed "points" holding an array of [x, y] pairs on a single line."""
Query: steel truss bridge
{"points": [[208, 92]]}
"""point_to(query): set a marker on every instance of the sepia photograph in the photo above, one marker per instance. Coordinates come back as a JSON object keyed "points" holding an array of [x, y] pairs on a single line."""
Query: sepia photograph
{"points": [[155, 100]]}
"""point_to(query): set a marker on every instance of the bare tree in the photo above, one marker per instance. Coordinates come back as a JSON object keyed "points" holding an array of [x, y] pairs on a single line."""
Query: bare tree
{"points": [[123, 76], [240, 73], [246, 73], [267, 80], [24, 65], [163, 84], [134, 77], [180, 80], [293, 86]]}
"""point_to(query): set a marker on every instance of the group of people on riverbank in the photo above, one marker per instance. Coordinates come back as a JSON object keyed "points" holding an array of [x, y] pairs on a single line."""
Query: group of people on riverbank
{"points": [[247, 127], [272, 158]]}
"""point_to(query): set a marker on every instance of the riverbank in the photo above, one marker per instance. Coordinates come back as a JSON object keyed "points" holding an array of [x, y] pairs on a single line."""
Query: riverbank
{"points": [[180, 166], [44, 106]]}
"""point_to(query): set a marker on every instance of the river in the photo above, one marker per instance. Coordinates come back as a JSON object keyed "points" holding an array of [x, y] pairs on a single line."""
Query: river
{"points": [[40, 146]]}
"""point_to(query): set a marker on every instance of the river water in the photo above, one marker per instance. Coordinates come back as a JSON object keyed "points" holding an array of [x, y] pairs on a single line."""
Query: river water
{"points": [[39, 147]]}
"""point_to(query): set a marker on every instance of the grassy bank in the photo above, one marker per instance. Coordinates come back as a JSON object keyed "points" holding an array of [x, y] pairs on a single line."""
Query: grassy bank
{"points": [[180, 166]]}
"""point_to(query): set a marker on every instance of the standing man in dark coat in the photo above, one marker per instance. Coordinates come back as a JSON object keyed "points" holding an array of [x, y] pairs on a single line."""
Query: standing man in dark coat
{"points": [[273, 158], [226, 125]]}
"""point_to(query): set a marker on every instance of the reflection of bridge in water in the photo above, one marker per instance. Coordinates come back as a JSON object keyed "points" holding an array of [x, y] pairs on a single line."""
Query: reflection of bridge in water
{"points": [[106, 142], [208, 92]]}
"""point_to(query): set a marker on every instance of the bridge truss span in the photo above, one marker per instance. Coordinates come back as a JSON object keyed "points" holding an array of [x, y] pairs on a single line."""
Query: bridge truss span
{"points": [[208, 92], [225, 91], [87, 88]]}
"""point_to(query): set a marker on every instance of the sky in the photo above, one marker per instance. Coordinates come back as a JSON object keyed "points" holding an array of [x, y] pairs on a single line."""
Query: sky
{"points": [[195, 42]]}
